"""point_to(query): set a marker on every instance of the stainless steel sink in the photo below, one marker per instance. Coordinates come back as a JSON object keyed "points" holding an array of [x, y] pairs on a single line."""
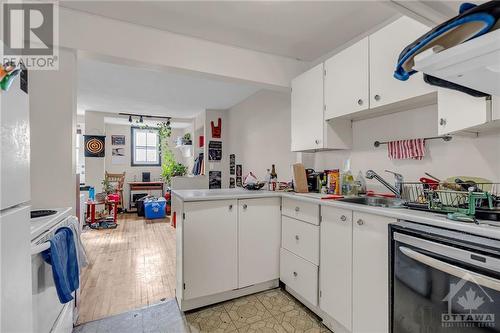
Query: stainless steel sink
{"points": [[376, 201]]}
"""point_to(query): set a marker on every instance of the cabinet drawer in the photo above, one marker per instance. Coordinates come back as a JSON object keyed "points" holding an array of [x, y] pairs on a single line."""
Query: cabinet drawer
{"points": [[300, 275], [301, 238], [301, 210]]}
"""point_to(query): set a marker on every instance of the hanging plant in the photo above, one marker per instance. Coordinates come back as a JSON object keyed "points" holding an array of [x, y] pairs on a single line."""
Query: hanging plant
{"points": [[170, 167]]}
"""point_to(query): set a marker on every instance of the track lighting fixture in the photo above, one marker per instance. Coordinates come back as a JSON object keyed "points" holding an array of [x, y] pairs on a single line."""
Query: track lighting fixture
{"points": [[141, 120], [129, 119]]}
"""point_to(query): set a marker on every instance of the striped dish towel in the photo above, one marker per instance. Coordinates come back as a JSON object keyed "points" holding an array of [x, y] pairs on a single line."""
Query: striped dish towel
{"points": [[406, 149]]}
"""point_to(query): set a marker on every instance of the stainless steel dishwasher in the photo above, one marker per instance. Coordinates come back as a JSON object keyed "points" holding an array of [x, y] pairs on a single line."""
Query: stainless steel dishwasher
{"points": [[443, 280]]}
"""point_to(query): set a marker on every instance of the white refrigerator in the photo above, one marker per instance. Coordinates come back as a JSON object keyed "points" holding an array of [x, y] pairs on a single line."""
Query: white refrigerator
{"points": [[15, 247]]}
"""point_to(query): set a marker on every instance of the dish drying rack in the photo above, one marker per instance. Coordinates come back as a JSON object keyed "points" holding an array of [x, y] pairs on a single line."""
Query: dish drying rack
{"points": [[444, 197]]}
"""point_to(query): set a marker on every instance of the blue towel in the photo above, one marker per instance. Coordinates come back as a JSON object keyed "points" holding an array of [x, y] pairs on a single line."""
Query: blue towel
{"points": [[63, 258]]}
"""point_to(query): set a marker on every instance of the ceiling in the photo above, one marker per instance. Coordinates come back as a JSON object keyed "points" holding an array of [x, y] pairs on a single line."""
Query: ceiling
{"points": [[117, 88], [302, 30]]}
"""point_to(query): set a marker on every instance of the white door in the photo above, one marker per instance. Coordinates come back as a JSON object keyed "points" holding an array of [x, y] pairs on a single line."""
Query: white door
{"points": [[307, 110], [458, 111], [14, 147], [370, 289], [15, 280], [347, 81], [210, 232], [259, 234], [335, 274], [385, 46]]}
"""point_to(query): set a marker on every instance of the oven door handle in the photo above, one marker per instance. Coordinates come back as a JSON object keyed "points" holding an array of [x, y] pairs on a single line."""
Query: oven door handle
{"points": [[459, 272], [40, 248]]}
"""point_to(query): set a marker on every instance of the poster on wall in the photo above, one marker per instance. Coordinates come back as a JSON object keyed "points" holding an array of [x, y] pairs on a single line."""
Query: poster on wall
{"points": [[118, 156], [232, 161], [216, 130], [94, 145], [239, 183], [232, 182], [239, 170], [214, 179], [118, 140], [215, 150]]}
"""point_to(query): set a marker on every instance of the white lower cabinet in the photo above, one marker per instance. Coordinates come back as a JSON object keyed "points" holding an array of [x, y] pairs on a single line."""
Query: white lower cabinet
{"points": [[225, 246], [300, 275], [301, 238], [354, 270], [370, 273], [336, 264], [259, 238], [210, 257]]}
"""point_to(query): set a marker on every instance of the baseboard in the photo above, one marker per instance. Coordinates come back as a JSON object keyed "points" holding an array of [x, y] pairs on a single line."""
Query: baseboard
{"points": [[190, 304]]}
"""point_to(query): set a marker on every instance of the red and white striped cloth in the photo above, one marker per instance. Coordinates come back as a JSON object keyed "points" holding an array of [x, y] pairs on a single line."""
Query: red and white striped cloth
{"points": [[406, 149]]}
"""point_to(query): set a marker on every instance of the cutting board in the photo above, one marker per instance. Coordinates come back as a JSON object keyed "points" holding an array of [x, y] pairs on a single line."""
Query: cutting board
{"points": [[300, 178]]}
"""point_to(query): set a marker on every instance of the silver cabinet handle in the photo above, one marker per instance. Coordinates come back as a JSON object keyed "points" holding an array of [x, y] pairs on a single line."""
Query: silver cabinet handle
{"points": [[245, 206], [297, 209], [230, 207], [295, 274], [360, 222], [442, 122], [343, 218], [377, 97], [360, 101], [296, 237]]}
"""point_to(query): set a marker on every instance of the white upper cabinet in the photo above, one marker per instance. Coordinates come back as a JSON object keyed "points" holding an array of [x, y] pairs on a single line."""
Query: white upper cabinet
{"points": [[347, 81], [307, 110], [461, 112], [310, 131], [385, 46]]}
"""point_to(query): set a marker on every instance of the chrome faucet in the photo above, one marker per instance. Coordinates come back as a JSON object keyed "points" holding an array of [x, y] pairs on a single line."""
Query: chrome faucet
{"points": [[397, 189]]}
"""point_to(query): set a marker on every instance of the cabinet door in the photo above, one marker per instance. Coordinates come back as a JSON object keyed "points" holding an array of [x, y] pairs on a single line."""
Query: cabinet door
{"points": [[307, 110], [385, 46], [370, 289], [210, 232], [346, 81], [458, 111], [335, 274], [259, 234]]}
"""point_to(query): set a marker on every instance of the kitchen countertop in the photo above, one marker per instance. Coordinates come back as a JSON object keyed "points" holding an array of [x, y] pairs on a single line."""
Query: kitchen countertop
{"points": [[429, 218]]}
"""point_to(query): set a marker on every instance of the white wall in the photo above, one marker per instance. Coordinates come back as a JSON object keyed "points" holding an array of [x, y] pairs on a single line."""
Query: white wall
{"points": [[259, 134], [52, 129], [464, 155]]}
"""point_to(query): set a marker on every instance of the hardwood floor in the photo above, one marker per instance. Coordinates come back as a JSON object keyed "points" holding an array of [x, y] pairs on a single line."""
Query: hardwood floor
{"points": [[130, 267]]}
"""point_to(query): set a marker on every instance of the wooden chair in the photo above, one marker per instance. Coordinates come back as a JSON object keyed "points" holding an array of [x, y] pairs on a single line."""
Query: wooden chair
{"points": [[118, 180]]}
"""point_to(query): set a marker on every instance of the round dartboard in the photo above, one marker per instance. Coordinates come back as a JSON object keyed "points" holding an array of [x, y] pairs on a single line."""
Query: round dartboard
{"points": [[95, 146]]}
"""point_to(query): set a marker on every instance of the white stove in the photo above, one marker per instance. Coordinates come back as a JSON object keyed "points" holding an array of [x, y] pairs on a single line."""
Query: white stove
{"points": [[40, 225]]}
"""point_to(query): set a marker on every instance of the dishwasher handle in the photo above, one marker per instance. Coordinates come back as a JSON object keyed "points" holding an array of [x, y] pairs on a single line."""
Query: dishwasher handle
{"points": [[459, 272]]}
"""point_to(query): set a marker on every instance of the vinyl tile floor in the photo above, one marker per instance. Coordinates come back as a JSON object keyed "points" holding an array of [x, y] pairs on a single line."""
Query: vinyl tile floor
{"points": [[270, 311]]}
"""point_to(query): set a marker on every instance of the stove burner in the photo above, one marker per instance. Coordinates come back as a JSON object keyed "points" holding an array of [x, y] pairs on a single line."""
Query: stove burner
{"points": [[42, 213]]}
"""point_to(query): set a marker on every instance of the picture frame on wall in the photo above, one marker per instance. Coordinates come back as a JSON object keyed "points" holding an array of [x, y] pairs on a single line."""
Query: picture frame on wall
{"points": [[118, 140]]}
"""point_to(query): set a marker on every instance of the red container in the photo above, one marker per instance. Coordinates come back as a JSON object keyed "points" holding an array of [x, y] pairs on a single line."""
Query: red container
{"points": [[114, 197]]}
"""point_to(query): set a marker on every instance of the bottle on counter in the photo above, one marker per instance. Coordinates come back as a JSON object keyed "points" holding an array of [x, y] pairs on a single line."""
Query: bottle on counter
{"points": [[324, 185], [268, 179], [274, 178]]}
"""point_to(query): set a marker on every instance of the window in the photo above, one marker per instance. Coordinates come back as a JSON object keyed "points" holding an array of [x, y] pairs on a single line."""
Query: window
{"points": [[145, 146]]}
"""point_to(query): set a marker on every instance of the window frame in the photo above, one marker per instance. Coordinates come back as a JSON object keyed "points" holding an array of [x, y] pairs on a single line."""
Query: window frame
{"points": [[132, 147]]}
